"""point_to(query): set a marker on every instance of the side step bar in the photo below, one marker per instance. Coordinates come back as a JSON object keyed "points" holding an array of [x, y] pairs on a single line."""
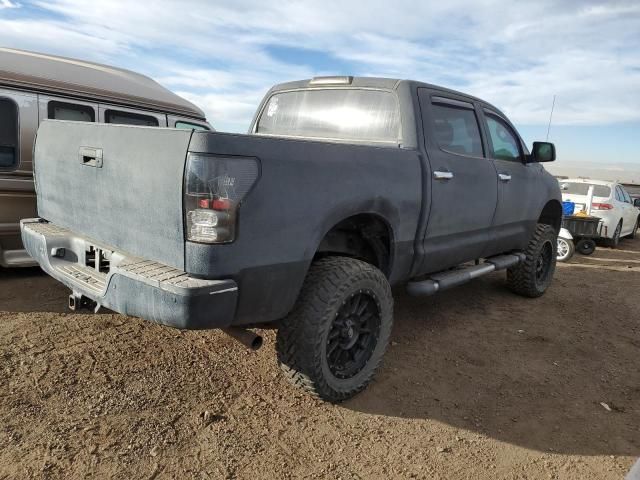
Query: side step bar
{"points": [[452, 278]]}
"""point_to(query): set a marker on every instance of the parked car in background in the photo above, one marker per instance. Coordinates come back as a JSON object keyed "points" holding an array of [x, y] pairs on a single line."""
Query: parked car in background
{"points": [[611, 202], [35, 87], [634, 190], [566, 247], [344, 187]]}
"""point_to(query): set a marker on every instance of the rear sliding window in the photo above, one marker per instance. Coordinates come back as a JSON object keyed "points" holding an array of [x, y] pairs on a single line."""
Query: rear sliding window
{"points": [[128, 118], [339, 114], [572, 188], [8, 133]]}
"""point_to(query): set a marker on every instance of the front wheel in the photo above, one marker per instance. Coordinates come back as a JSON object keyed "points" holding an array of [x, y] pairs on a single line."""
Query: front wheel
{"points": [[334, 338], [566, 249], [532, 277]]}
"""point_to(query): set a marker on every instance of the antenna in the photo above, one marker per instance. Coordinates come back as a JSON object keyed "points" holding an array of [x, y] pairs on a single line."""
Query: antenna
{"points": [[551, 116]]}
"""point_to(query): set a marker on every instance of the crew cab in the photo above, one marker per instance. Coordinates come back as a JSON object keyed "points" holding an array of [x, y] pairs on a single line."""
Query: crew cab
{"points": [[343, 187]]}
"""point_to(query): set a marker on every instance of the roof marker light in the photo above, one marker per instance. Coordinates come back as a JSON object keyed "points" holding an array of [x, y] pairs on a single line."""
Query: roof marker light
{"points": [[331, 81]]}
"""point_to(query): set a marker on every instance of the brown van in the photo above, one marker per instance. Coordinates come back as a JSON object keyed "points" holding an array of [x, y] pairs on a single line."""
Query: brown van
{"points": [[35, 87]]}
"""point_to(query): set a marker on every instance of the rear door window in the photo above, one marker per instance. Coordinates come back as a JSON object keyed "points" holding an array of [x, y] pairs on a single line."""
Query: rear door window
{"points": [[71, 111], [504, 142], [334, 114], [456, 129], [129, 118], [9, 136]]}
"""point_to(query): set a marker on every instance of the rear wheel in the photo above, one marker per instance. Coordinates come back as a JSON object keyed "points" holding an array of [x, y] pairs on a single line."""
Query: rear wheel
{"points": [[633, 233], [532, 277], [334, 338], [566, 249], [613, 242]]}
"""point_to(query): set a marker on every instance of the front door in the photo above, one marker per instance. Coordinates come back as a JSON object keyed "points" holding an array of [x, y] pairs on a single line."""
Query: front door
{"points": [[518, 198], [463, 181]]}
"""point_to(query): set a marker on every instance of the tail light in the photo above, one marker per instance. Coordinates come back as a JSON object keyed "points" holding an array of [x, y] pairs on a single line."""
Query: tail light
{"points": [[601, 206], [214, 187]]}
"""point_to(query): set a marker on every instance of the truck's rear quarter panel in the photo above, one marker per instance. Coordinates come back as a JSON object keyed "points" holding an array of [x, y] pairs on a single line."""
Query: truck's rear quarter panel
{"points": [[304, 189]]}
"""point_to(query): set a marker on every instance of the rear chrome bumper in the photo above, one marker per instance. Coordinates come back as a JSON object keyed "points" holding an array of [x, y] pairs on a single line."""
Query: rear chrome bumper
{"points": [[130, 285]]}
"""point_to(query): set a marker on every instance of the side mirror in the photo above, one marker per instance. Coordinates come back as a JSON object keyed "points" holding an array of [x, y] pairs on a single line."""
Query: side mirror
{"points": [[543, 152], [636, 202]]}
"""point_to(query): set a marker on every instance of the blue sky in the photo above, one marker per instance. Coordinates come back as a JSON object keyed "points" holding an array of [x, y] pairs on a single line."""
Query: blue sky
{"points": [[223, 56]]}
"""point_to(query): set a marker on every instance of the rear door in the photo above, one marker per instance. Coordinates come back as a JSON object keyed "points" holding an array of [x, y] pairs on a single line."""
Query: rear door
{"points": [[463, 181], [518, 193]]}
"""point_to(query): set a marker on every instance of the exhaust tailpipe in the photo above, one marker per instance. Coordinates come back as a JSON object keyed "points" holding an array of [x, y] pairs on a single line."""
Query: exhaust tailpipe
{"points": [[246, 337]]}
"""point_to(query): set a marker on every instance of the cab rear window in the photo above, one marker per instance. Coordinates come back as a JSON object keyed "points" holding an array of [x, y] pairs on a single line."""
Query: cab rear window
{"points": [[333, 114]]}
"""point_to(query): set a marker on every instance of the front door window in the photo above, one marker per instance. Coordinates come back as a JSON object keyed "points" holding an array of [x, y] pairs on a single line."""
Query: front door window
{"points": [[504, 143]]}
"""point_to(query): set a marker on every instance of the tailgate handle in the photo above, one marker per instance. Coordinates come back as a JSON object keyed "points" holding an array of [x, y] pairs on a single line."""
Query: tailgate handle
{"points": [[91, 157]]}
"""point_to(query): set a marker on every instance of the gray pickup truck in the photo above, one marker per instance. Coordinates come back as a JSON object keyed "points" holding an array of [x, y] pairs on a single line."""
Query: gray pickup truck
{"points": [[344, 187]]}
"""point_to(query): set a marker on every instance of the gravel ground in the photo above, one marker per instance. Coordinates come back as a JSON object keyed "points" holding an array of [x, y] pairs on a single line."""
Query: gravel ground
{"points": [[477, 383]]}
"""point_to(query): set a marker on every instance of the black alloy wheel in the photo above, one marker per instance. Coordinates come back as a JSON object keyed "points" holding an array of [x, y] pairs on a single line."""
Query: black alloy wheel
{"points": [[544, 262], [353, 335]]}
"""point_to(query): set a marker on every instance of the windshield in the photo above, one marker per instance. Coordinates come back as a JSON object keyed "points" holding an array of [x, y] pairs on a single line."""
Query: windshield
{"points": [[336, 114], [572, 188]]}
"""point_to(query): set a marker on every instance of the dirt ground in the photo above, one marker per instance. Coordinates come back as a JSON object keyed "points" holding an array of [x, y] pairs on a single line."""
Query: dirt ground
{"points": [[478, 383]]}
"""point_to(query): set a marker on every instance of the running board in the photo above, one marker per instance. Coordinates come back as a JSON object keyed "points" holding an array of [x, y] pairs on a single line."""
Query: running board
{"points": [[453, 278]]}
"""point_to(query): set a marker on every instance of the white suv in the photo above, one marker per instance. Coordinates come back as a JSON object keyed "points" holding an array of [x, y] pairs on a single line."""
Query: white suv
{"points": [[610, 202]]}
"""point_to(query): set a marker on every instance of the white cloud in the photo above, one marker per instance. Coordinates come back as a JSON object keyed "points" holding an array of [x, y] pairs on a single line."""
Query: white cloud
{"points": [[8, 4], [236, 109], [515, 54]]}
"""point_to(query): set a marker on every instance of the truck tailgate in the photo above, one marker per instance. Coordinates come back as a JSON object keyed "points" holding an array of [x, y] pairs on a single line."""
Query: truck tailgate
{"points": [[118, 185]]}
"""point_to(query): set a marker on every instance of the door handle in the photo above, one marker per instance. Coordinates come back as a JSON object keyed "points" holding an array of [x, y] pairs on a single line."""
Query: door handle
{"points": [[91, 157], [439, 175], [504, 177]]}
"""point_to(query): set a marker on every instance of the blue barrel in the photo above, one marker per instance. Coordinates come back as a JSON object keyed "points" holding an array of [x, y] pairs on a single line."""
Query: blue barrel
{"points": [[568, 208]]}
